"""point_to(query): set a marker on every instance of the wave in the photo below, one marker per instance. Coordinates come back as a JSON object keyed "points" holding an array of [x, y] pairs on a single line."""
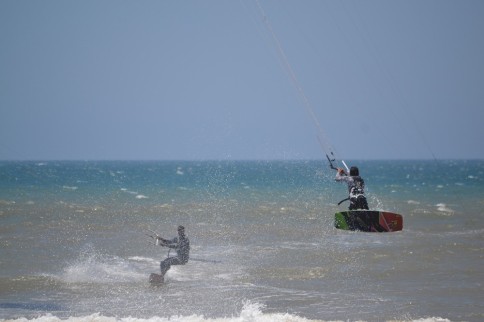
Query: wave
{"points": [[251, 312], [442, 207], [70, 187], [92, 267]]}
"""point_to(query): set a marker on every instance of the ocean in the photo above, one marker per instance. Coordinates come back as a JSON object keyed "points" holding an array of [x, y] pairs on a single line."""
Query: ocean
{"points": [[74, 242]]}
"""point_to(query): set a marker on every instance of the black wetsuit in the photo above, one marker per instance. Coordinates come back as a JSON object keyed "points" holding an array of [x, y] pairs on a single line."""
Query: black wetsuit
{"points": [[356, 190], [182, 246]]}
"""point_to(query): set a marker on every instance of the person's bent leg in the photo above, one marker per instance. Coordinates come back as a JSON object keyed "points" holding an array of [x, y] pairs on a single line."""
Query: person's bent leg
{"points": [[166, 264]]}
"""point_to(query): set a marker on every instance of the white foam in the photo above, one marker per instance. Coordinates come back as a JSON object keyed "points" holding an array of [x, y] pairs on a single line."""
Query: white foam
{"points": [[100, 269], [443, 208], [251, 312], [141, 197], [433, 319], [141, 259]]}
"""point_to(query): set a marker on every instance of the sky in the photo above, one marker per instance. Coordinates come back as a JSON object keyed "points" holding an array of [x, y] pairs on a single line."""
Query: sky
{"points": [[241, 79]]}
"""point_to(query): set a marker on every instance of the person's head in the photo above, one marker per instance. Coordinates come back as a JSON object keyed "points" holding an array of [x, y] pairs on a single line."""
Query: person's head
{"points": [[181, 230], [354, 171]]}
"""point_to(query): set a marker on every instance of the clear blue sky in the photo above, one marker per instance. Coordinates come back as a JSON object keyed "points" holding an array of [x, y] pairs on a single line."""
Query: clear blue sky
{"points": [[196, 80]]}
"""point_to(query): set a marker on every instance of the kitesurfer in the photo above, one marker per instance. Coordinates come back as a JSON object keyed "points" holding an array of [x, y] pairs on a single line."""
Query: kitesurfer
{"points": [[356, 187], [182, 246]]}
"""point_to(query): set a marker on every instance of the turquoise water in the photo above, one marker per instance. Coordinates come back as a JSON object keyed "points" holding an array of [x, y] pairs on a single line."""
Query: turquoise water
{"points": [[73, 243]]}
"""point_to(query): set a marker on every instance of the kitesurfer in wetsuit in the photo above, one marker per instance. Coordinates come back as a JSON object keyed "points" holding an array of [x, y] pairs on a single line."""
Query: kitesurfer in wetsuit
{"points": [[356, 187], [182, 246]]}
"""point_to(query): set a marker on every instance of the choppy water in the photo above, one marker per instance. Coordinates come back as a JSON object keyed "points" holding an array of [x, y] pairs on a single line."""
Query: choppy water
{"points": [[73, 243]]}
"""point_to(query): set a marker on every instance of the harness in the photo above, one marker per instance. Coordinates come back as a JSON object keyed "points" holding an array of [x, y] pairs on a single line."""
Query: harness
{"points": [[357, 188], [182, 249]]}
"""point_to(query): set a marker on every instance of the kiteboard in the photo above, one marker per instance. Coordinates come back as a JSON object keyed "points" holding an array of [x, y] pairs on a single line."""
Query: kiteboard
{"points": [[368, 221], [156, 279]]}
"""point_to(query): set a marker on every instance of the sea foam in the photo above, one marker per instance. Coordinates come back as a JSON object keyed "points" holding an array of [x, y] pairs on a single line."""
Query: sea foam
{"points": [[251, 312]]}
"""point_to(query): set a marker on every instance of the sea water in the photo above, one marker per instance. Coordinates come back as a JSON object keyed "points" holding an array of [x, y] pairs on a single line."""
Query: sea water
{"points": [[75, 245]]}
